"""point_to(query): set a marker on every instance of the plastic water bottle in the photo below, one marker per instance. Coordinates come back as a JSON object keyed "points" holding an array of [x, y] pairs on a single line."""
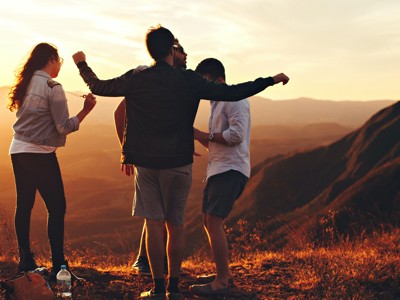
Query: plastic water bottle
{"points": [[64, 283]]}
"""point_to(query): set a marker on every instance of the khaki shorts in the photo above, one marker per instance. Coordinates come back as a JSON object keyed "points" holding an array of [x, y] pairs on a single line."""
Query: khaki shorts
{"points": [[162, 194]]}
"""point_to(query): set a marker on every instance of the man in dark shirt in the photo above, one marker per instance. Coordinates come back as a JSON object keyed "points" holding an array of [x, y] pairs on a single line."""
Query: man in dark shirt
{"points": [[161, 105], [141, 263]]}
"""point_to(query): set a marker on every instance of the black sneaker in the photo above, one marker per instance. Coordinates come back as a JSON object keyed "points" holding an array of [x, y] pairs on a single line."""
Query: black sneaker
{"points": [[26, 262], [142, 265]]}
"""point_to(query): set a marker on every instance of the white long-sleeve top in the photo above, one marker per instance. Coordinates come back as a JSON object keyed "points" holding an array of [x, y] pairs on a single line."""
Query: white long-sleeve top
{"points": [[233, 120]]}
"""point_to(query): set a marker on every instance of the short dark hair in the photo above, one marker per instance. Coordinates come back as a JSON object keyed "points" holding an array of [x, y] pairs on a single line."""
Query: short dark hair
{"points": [[211, 67], [159, 41]]}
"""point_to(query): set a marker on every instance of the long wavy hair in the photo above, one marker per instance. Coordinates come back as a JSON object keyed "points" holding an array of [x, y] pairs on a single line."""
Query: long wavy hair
{"points": [[37, 60]]}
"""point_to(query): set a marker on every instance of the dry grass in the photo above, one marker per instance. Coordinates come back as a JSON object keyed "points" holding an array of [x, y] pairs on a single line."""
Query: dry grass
{"points": [[363, 269]]}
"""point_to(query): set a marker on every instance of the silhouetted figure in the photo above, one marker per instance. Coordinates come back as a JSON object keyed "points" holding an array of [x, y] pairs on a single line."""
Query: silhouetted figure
{"points": [[141, 263], [41, 127], [228, 171]]}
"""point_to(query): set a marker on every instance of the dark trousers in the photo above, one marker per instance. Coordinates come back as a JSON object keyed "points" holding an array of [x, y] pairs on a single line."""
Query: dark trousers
{"points": [[37, 171]]}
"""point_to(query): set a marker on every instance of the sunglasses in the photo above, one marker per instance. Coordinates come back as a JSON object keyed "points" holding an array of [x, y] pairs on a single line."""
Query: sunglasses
{"points": [[179, 49]]}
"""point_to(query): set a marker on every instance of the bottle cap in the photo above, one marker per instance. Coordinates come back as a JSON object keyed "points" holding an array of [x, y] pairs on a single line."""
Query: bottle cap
{"points": [[63, 267]]}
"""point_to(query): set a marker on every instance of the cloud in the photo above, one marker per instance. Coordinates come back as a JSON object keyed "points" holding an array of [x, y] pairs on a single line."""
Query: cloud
{"points": [[309, 38]]}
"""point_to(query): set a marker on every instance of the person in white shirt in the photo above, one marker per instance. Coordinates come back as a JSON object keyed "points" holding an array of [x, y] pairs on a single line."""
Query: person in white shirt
{"points": [[228, 171]]}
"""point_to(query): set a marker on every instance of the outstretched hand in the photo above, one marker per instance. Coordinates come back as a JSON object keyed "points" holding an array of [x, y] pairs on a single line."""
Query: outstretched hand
{"points": [[78, 57], [281, 78]]}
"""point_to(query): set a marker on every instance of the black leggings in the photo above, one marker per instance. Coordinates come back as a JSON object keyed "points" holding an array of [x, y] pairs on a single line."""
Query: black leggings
{"points": [[37, 171]]}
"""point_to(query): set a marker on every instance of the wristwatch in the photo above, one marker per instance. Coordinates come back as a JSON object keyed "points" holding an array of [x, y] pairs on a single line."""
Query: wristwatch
{"points": [[211, 137]]}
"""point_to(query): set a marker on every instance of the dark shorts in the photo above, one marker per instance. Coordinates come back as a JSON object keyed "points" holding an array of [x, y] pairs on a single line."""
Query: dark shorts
{"points": [[221, 192]]}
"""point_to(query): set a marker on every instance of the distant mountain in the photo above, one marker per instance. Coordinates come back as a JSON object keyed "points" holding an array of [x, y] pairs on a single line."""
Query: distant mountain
{"points": [[301, 111], [355, 180], [314, 130], [306, 111], [91, 160]]}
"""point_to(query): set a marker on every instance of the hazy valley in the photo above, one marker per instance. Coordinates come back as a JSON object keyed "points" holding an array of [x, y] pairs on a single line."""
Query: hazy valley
{"points": [[99, 196], [317, 220]]}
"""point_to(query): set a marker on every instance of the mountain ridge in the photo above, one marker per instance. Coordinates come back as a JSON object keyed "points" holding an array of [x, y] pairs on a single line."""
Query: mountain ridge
{"points": [[333, 177], [299, 111], [91, 160]]}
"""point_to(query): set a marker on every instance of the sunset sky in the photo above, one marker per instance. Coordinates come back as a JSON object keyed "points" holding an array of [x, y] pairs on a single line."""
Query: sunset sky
{"points": [[331, 50]]}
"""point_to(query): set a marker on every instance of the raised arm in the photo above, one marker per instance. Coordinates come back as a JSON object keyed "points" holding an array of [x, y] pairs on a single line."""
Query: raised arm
{"points": [[115, 87], [209, 90]]}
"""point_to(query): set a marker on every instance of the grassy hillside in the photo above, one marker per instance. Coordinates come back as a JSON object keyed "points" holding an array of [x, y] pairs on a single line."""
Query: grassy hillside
{"points": [[295, 187], [99, 196], [362, 269], [356, 178]]}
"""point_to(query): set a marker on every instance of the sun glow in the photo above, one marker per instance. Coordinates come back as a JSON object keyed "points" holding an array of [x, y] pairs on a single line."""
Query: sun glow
{"points": [[330, 51]]}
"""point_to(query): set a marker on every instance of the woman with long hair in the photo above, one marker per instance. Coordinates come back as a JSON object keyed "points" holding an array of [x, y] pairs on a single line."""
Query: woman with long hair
{"points": [[42, 125]]}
